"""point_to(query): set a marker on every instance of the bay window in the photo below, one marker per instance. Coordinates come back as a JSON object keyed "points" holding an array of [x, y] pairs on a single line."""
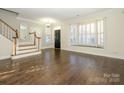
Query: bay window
{"points": [[88, 34]]}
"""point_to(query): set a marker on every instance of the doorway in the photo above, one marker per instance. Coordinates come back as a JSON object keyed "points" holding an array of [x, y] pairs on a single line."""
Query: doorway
{"points": [[57, 39]]}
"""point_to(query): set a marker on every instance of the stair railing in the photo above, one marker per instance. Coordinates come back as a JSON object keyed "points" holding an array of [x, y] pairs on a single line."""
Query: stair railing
{"points": [[10, 33], [36, 38]]}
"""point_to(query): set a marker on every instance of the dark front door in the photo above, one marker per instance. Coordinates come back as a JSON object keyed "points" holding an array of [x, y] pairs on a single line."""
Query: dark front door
{"points": [[57, 39]]}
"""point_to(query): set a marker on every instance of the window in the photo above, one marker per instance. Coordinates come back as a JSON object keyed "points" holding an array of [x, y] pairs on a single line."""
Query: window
{"points": [[24, 32], [48, 34], [74, 34], [88, 34]]}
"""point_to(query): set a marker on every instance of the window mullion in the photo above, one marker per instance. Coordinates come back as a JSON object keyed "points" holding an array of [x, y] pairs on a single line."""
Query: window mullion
{"points": [[96, 32], [78, 34], [90, 35], [100, 34], [85, 34]]}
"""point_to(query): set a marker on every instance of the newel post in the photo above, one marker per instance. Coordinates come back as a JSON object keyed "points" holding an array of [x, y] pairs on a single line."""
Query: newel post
{"points": [[38, 43], [14, 46]]}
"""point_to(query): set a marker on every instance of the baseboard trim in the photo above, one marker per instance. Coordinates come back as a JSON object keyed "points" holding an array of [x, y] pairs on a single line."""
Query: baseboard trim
{"points": [[117, 57], [45, 47], [107, 55], [26, 55], [5, 57]]}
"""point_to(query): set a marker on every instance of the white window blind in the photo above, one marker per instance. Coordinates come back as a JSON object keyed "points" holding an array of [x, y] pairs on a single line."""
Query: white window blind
{"points": [[88, 34]]}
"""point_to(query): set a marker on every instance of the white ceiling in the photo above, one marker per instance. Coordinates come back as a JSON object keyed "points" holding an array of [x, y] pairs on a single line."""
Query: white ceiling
{"points": [[57, 13]]}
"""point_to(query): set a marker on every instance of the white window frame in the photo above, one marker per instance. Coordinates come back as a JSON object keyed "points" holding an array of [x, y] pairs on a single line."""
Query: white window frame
{"points": [[87, 42]]}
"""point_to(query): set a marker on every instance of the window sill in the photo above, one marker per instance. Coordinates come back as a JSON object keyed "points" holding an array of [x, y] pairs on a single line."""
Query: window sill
{"points": [[89, 46]]}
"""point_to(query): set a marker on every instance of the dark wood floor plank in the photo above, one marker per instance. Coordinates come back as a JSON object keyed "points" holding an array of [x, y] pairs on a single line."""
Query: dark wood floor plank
{"points": [[56, 66]]}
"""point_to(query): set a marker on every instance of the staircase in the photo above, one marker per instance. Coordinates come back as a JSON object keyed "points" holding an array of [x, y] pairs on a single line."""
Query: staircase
{"points": [[20, 49]]}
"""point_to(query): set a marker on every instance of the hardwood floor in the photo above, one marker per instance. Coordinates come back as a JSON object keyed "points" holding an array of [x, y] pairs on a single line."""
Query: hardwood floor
{"points": [[62, 67]]}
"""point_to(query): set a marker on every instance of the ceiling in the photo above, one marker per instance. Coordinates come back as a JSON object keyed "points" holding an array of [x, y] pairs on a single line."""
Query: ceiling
{"points": [[57, 13]]}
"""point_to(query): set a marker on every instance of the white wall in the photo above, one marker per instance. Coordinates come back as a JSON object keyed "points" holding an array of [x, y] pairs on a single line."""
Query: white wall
{"points": [[114, 34], [5, 48]]}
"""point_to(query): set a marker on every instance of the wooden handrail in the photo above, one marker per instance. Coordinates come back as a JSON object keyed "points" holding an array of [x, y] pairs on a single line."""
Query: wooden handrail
{"points": [[38, 37], [10, 27], [7, 25], [35, 36], [34, 33], [10, 36]]}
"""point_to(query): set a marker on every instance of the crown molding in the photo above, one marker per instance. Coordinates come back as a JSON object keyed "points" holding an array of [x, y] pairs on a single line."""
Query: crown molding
{"points": [[9, 11], [28, 20]]}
